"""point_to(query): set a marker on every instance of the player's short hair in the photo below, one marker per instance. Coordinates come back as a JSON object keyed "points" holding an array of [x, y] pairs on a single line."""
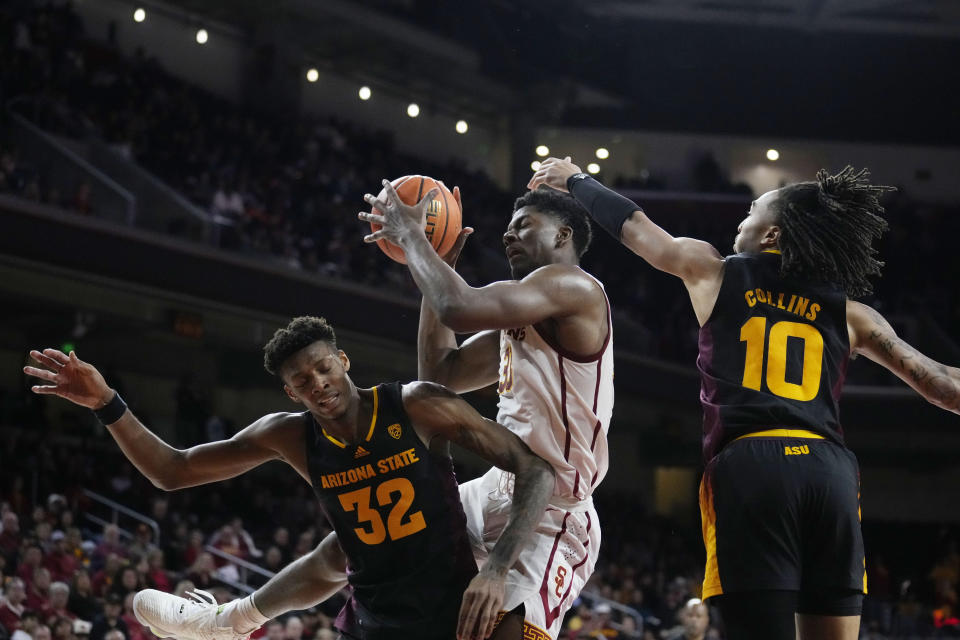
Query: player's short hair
{"points": [[827, 229], [301, 332], [565, 208]]}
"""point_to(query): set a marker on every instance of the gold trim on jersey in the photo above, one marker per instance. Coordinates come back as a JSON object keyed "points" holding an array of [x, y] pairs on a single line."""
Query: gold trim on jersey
{"points": [[708, 517], [335, 440], [373, 422], [776, 251], [782, 433]]}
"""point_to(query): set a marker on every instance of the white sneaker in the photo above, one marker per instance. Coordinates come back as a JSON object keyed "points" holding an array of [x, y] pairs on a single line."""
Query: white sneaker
{"points": [[170, 616]]}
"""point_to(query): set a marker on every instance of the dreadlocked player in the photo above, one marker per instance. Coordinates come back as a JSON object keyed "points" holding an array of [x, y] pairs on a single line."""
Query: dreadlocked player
{"points": [[780, 492]]}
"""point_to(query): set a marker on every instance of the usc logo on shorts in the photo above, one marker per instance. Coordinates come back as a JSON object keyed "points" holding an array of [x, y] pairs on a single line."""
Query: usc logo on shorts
{"points": [[559, 580]]}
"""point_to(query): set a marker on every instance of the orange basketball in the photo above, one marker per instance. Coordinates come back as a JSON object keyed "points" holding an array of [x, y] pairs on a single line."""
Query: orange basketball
{"points": [[443, 218]]}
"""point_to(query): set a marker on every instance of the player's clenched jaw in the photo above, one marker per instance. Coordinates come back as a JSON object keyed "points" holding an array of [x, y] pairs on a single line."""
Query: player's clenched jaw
{"points": [[532, 240], [316, 377]]}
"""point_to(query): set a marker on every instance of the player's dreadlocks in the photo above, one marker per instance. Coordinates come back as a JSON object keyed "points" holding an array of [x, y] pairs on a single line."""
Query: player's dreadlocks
{"points": [[827, 229]]}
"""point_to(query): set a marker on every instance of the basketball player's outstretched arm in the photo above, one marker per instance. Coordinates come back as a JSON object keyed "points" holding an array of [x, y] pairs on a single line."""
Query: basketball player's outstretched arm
{"points": [[872, 335], [166, 467], [462, 368], [437, 411], [555, 291], [696, 262]]}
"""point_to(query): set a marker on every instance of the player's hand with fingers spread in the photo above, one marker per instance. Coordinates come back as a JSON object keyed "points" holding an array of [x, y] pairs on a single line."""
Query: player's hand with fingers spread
{"points": [[481, 603], [400, 221], [554, 173], [69, 377]]}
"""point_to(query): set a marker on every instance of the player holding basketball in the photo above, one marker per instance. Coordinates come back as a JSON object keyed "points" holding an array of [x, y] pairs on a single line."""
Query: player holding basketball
{"points": [[780, 492], [546, 336], [379, 463]]}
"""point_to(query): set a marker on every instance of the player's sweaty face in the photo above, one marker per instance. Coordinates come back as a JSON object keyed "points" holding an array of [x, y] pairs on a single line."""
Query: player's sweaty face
{"points": [[528, 241], [759, 219], [316, 376]]}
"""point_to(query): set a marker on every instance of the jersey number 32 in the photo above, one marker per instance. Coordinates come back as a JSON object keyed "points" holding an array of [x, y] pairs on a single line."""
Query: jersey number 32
{"points": [[372, 530]]}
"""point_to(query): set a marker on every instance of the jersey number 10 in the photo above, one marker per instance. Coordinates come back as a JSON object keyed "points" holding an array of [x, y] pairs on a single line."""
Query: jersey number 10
{"points": [[754, 333]]}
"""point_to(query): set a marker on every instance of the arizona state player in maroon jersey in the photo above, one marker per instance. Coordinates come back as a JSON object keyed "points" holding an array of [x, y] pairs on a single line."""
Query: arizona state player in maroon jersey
{"points": [[780, 492], [379, 463]]}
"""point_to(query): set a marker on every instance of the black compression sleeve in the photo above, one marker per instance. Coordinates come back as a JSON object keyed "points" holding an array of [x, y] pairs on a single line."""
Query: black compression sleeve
{"points": [[607, 207]]}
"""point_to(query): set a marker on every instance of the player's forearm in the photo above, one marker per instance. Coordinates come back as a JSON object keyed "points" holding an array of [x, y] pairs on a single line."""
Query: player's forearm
{"points": [[154, 458], [435, 344], [442, 287], [936, 382], [608, 208], [305, 582], [533, 487]]}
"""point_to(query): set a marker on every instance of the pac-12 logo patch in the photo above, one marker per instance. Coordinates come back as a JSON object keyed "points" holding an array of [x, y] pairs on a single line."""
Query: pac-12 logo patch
{"points": [[395, 431]]}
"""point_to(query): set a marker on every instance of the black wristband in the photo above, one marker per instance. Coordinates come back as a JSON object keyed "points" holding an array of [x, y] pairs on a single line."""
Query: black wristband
{"points": [[112, 412], [607, 207]]}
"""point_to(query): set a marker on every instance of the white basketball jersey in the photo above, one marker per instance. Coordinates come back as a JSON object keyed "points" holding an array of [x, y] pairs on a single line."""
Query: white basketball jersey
{"points": [[559, 404]]}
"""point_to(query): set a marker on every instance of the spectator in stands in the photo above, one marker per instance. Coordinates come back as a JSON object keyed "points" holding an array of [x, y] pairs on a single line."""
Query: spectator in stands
{"points": [[42, 632], [10, 537], [160, 513], [694, 620], [12, 604], [129, 581], [201, 572], [142, 544], [82, 602], [281, 540], [31, 561], [227, 540], [59, 560], [105, 577], [74, 546], [194, 548], [28, 626], [38, 591], [110, 619], [109, 544], [247, 545], [157, 576], [274, 630], [293, 629], [57, 606], [113, 634], [61, 628]]}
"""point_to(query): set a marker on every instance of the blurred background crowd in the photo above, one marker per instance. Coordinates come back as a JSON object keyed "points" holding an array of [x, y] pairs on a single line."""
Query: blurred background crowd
{"points": [[286, 191]]}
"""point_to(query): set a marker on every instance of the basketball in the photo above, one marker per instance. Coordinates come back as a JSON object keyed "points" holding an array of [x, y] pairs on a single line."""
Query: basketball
{"points": [[443, 220]]}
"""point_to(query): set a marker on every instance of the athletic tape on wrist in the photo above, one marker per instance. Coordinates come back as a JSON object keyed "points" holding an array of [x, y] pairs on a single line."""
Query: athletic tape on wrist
{"points": [[607, 207]]}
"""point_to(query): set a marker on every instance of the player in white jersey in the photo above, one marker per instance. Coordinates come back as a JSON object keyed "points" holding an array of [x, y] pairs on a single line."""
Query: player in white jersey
{"points": [[546, 336]]}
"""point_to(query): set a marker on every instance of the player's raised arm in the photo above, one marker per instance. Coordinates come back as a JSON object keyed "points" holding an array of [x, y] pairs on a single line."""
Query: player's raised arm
{"points": [[687, 258], [463, 368], [553, 291], [166, 467], [872, 335], [437, 411]]}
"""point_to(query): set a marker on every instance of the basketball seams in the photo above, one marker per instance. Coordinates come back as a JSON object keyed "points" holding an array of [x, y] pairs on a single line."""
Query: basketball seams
{"points": [[446, 217]]}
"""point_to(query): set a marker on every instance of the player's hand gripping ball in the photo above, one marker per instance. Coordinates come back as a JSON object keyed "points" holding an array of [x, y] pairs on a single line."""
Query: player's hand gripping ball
{"points": [[443, 219]]}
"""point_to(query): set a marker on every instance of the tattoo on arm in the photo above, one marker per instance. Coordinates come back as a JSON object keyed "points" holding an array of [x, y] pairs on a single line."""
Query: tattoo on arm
{"points": [[938, 383]]}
